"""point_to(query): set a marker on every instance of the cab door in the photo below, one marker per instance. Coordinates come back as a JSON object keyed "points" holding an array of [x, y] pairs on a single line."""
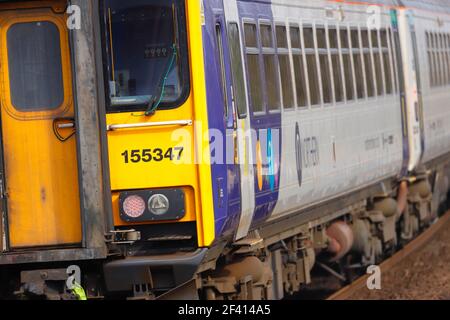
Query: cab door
{"points": [[39, 145], [238, 118], [235, 199]]}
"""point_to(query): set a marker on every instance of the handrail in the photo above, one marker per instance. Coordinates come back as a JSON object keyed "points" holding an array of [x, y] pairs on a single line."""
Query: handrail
{"points": [[66, 125], [113, 127]]}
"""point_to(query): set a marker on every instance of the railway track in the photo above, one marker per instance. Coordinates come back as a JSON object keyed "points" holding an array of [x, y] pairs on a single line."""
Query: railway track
{"points": [[415, 245]]}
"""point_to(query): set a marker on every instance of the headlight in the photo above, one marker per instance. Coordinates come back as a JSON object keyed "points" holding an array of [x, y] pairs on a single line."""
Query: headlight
{"points": [[158, 204], [152, 205], [134, 206]]}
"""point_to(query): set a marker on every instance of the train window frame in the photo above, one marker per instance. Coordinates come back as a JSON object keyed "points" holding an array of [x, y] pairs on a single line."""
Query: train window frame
{"points": [[444, 56], [357, 51], [253, 52], [324, 58], [219, 34], [337, 71], [346, 53], [444, 61], [368, 62], [443, 36], [430, 59], [448, 54], [441, 58], [387, 59], [437, 60], [239, 91], [300, 77], [185, 72], [432, 66], [394, 61], [311, 53], [377, 55], [270, 52], [283, 49], [439, 74]]}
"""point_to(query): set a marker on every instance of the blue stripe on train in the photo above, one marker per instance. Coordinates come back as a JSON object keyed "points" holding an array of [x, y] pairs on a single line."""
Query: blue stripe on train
{"points": [[226, 178], [266, 197]]}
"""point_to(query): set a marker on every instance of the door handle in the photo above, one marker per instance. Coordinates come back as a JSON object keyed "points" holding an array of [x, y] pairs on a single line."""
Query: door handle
{"points": [[66, 125], [64, 128]]}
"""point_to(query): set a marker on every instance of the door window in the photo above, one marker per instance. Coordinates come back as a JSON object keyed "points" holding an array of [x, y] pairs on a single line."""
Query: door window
{"points": [[237, 70], [223, 78], [35, 67]]}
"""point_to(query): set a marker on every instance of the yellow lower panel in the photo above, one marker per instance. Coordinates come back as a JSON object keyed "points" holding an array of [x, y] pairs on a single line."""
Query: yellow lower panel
{"points": [[41, 185]]}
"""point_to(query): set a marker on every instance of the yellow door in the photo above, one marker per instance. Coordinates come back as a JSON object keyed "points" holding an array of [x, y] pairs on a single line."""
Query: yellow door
{"points": [[39, 144]]}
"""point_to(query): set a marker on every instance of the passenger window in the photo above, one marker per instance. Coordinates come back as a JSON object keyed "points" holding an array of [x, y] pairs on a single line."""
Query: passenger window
{"points": [[299, 68], [311, 63], [223, 78], [266, 36], [324, 66], [237, 70], [430, 59], [336, 65], [321, 39], [445, 54], [35, 66], [432, 65], [270, 67], [438, 63], [441, 59], [443, 50], [447, 62], [253, 67], [386, 61], [295, 37], [368, 63], [357, 61], [250, 35], [308, 35], [285, 68], [348, 71], [436, 60], [378, 61], [393, 53], [448, 57], [281, 37]]}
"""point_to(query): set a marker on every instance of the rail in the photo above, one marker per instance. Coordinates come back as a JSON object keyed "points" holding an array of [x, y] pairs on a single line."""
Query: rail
{"points": [[415, 245]]}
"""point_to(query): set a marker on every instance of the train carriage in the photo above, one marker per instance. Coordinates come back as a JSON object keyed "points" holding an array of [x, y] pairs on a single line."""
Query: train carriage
{"points": [[212, 148]]}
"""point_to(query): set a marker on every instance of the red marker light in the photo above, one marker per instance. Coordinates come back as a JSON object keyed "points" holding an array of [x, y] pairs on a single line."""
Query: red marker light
{"points": [[134, 206]]}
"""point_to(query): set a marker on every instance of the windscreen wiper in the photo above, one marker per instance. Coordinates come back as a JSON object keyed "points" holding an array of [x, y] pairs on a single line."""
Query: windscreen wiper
{"points": [[157, 98]]}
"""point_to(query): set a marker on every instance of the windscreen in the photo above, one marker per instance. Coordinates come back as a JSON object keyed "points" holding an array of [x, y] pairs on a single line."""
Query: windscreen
{"points": [[146, 52]]}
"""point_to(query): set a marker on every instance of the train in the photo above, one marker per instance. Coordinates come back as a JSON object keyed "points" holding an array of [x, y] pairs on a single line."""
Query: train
{"points": [[216, 149]]}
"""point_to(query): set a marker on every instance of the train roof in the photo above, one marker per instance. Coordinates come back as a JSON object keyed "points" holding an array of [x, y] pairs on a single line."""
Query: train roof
{"points": [[428, 5]]}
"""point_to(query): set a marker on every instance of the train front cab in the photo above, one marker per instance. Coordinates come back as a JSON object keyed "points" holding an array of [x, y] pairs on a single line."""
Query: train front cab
{"points": [[156, 123]]}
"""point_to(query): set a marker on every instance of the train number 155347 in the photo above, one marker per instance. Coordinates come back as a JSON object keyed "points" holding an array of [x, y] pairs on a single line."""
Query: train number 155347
{"points": [[149, 155]]}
